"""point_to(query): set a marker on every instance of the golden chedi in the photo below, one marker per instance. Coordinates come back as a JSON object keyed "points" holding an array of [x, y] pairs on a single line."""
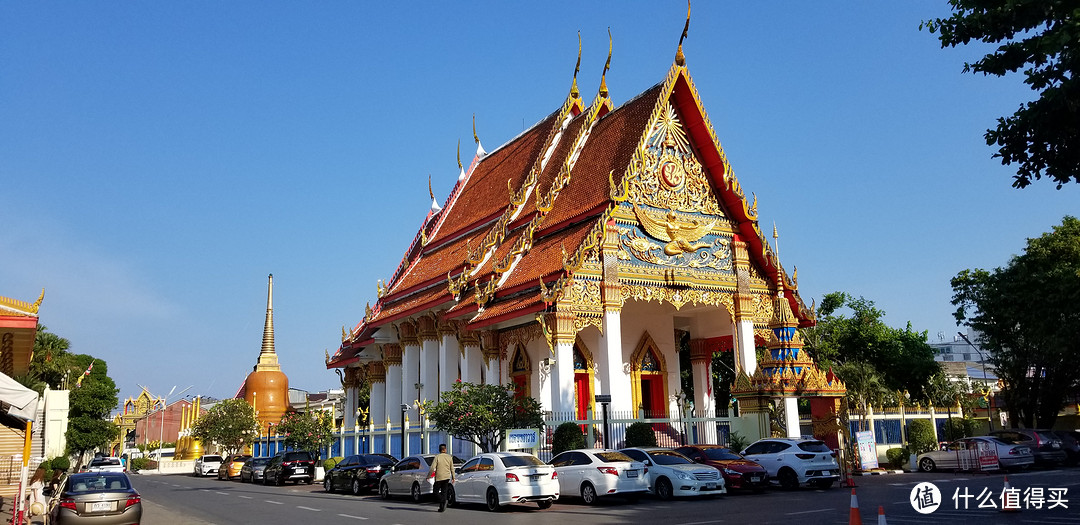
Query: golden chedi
{"points": [[267, 388]]}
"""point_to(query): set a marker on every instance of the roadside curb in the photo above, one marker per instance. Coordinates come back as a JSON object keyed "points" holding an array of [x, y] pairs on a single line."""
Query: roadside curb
{"points": [[877, 472]]}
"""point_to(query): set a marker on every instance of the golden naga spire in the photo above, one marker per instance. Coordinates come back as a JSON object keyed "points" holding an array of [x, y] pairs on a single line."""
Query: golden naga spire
{"points": [[460, 167], [680, 59], [475, 138], [607, 66], [577, 67], [268, 326]]}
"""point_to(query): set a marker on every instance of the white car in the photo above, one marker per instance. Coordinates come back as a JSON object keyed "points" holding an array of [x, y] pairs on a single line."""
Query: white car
{"points": [[410, 477], [501, 478], [105, 464], [795, 462], [671, 474], [207, 464], [595, 472]]}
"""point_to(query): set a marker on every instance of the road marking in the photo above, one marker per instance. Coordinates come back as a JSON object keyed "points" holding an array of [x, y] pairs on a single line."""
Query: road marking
{"points": [[702, 522], [245, 497], [308, 508], [223, 493], [807, 512], [353, 517], [274, 502]]}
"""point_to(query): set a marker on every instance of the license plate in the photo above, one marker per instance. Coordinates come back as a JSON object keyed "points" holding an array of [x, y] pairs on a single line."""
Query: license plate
{"points": [[101, 506], [826, 472], [301, 471], [535, 477], [710, 486], [631, 473], [755, 477]]}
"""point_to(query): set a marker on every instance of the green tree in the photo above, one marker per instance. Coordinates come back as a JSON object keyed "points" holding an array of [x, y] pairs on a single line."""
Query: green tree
{"points": [[1028, 319], [864, 387], [311, 430], [231, 424], [481, 414], [902, 358], [90, 405], [1040, 38]]}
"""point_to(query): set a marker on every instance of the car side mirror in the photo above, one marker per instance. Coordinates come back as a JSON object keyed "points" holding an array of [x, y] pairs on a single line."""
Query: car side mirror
{"points": [[457, 470]]}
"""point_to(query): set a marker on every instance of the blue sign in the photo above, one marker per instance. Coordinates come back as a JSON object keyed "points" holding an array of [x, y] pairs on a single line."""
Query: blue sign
{"points": [[867, 449], [519, 438]]}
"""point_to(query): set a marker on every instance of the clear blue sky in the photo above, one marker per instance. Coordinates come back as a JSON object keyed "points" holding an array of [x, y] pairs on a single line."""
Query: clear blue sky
{"points": [[158, 160]]}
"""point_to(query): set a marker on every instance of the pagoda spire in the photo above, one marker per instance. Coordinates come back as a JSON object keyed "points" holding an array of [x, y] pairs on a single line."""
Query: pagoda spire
{"points": [[607, 66], [680, 59], [268, 356]]}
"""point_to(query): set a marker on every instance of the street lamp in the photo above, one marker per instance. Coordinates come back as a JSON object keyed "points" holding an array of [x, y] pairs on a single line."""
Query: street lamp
{"points": [[982, 359], [404, 409], [161, 436]]}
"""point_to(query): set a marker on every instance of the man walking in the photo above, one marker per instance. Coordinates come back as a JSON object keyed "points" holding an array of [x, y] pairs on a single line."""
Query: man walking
{"points": [[443, 468]]}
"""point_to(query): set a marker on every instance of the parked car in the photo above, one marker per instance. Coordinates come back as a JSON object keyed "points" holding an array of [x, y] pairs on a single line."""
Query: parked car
{"points": [[956, 455], [594, 473], [105, 464], [501, 478], [738, 472], [357, 473], [795, 462], [291, 465], [1070, 443], [253, 469], [671, 474], [97, 498], [410, 477], [1045, 446], [230, 468], [207, 464]]}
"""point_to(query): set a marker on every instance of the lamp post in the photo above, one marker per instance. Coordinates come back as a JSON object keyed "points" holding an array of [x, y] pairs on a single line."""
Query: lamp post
{"points": [[982, 359], [161, 436], [404, 409]]}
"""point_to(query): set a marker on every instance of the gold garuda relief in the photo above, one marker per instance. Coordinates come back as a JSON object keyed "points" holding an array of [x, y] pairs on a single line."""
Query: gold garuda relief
{"points": [[715, 255]]}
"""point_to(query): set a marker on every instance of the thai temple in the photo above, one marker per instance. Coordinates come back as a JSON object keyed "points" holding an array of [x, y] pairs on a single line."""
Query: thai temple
{"points": [[266, 388], [566, 261]]}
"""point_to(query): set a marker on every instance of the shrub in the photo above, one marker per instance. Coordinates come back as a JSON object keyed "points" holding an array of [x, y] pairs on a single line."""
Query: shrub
{"points": [[920, 436], [330, 463], [60, 463], [640, 435], [737, 442], [898, 457], [567, 436], [956, 428], [141, 463]]}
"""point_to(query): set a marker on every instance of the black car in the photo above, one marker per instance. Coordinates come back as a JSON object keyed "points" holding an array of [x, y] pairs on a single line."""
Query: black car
{"points": [[1046, 446], [292, 465], [357, 473], [1070, 443]]}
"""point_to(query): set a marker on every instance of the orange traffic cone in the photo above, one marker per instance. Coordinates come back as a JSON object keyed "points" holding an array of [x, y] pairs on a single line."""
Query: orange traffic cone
{"points": [[1004, 499], [850, 481], [881, 515], [854, 518]]}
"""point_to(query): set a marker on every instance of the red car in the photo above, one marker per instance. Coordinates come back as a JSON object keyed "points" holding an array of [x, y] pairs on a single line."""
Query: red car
{"points": [[738, 472]]}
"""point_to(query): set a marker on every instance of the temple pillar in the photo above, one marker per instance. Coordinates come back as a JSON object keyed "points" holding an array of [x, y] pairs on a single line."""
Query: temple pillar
{"points": [[704, 400], [563, 399], [791, 417], [472, 360], [449, 356], [489, 343], [745, 349], [614, 377], [429, 358], [410, 360], [377, 402], [392, 360]]}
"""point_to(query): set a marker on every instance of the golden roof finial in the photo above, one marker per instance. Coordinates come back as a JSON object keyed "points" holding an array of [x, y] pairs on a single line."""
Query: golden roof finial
{"points": [[475, 138], [607, 65], [460, 167], [577, 67], [37, 304], [679, 58], [435, 208]]}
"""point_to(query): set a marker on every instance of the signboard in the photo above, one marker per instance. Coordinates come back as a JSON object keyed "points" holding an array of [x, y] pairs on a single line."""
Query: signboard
{"points": [[867, 449], [520, 438], [603, 398]]}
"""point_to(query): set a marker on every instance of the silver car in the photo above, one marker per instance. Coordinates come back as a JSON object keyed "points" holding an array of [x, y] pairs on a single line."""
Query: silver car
{"points": [[964, 454], [409, 477], [102, 498], [253, 469]]}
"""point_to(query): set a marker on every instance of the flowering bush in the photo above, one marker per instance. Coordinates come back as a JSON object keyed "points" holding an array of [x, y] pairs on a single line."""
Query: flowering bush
{"points": [[481, 414], [310, 431]]}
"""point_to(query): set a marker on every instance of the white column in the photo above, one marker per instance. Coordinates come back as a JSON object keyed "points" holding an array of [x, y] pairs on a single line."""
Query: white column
{"points": [[377, 409], [471, 363], [492, 366], [410, 370], [704, 397], [791, 417], [449, 356], [392, 407], [614, 379], [745, 352], [562, 400], [348, 410], [429, 369]]}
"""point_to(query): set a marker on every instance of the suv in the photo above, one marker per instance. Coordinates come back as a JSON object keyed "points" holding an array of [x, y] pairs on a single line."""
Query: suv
{"points": [[795, 462], [206, 465], [106, 464], [1046, 446], [292, 465]]}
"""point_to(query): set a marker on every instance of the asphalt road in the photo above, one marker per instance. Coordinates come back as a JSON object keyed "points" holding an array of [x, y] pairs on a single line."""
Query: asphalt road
{"points": [[175, 499]]}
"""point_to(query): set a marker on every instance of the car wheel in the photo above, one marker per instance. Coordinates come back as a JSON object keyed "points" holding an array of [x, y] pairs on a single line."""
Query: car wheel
{"points": [[451, 496], [384, 490], [280, 480], [544, 504], [416, 492], [788, 479], [327, 486], [492, 499], [927, 465], [663, 489], [588, 493], [355, 487], [309, 481]]}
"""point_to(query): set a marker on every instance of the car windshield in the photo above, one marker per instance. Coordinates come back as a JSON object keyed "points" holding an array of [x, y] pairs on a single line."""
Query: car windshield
{"points": [[669, 457], [297, 456], [241, 459], [814, 446], [721, 454], [103, 462], [82, 484], [609, 457], [520, 461], [207, 459], [260, 462]]}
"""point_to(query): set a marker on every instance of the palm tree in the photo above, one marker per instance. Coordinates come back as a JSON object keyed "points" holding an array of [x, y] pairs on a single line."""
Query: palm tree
{"points": [[864, 386]]}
